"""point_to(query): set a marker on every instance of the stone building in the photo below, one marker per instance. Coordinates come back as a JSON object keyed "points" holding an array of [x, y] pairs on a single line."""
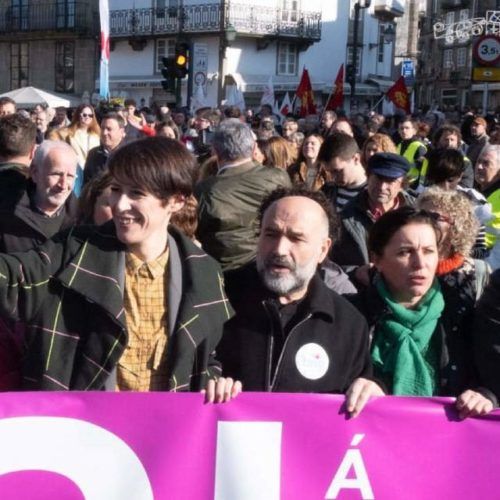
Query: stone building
{"points": [[48, 44]]}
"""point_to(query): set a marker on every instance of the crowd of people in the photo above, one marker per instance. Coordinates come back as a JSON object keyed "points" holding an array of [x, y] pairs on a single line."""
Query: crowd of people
{"points": [[233, 251]]}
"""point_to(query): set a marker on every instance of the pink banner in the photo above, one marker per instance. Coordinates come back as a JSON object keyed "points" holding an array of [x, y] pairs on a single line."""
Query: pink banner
{"points": [[272, 446]]}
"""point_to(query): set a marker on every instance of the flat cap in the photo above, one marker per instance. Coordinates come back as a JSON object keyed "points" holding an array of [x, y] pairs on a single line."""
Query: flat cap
{"points": [[389, 165]]}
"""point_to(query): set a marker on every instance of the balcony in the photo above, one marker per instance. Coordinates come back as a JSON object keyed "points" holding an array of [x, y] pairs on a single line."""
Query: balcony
{"points": [[387, 10], [454, 4], [49, 17], [246, 19]]}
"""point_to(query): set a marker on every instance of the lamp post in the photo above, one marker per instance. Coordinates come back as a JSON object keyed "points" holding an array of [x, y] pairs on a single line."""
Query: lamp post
{"points": [[360, 4]]}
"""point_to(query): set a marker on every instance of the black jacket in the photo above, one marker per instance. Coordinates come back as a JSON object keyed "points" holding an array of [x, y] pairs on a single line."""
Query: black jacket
{"points": [[95, 164], [22, 227], [323, 320], [351, 250], [453, 337], [487, 335]]}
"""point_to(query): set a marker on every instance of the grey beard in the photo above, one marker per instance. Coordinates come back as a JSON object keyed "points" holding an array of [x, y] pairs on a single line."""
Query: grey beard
{"points": [[298, 277]]}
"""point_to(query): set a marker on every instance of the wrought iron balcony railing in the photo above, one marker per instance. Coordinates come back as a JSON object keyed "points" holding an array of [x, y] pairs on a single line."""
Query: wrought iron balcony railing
{"points": [[49, 16], [246, 19]]}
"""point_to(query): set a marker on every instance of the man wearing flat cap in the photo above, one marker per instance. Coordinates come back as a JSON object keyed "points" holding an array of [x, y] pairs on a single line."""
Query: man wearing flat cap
{"points": [[479, 138], [385, 190]]}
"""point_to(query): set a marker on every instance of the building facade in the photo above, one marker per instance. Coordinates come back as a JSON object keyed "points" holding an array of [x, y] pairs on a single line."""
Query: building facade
{"points": [[446, 55], [250, 42], [52, 45]]}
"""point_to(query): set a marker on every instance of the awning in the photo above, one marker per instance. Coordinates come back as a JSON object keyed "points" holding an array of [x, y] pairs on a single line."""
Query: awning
{"points": [[383, 84]]}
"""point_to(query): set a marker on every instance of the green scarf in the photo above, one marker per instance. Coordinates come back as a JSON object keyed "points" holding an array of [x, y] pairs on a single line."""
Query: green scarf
{"points": [[402, 351]]}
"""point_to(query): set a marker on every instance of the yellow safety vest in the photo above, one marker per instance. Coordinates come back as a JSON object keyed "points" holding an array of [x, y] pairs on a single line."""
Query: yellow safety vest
{"points": [[409, 154], [494, 223]]}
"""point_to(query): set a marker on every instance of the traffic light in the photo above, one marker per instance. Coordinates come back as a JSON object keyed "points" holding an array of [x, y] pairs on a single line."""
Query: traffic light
{"points": [[168, 71], [181, 60]]}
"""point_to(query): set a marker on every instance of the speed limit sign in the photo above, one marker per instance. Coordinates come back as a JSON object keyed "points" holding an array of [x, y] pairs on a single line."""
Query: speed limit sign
{"points": [[487, 50]]}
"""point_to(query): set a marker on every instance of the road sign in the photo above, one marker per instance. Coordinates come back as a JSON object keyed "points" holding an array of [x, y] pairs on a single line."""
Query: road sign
{"points": [[407, 69], [487, 50]]}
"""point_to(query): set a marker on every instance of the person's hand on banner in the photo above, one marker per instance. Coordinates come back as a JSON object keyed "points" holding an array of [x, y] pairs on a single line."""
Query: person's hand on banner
{"points": [[473, 404], [221, 390], [358, 394]]}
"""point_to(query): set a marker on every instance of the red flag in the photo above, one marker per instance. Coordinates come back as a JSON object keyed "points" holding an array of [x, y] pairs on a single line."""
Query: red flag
{"points": [[305, 94], [398, 94], [336, 99]]}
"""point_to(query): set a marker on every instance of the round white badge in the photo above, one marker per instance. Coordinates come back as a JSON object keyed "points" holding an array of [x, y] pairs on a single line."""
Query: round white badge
{"points": [[312, 361]]}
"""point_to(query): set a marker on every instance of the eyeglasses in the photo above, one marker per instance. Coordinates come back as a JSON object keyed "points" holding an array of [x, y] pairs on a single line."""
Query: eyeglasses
{"points": [[86, 115]]}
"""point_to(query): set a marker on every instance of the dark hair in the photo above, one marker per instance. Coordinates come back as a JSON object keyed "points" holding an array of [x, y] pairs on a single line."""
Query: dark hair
{"points": [[113, 115], [232, 112], [447, 129], [339, 145], [303, 191], [160, 166], [130, 102], [444, 164], [17, 136], [90, 192], [386, 227], [168, 122], [7, 100]]}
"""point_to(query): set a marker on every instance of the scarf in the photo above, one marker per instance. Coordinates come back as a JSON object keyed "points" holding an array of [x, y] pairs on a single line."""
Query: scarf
{"points": [[445, 266], [402, 351]]}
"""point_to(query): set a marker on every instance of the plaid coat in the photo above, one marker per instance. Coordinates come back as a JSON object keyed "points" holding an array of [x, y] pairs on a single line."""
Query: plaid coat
{"points": [[68, 296]]}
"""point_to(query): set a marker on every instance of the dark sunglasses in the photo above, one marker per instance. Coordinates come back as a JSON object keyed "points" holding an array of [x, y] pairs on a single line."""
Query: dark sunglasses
{"points": [[86, 115]]}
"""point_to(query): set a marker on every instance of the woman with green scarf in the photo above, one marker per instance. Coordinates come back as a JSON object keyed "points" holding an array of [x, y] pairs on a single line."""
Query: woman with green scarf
{"points": [[420, 345]]}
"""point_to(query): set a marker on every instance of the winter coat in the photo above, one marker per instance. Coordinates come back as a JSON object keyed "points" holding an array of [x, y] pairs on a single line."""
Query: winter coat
{"points": [[324, 352], [228, 207], [453, 337], [68, 296], [23, 227], [486, 336], [351, 250]]}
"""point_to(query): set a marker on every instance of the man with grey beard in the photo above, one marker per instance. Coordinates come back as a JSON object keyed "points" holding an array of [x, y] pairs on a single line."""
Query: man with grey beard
{"points": [[291, 333]]}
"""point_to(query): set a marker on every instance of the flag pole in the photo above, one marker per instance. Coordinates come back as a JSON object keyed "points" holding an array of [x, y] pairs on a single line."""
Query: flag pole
{"points": [[378, 102], [326, 105]]}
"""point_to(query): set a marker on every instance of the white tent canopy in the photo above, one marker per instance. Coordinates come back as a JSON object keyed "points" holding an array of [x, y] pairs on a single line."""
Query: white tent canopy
{"points": [[29, 97]]}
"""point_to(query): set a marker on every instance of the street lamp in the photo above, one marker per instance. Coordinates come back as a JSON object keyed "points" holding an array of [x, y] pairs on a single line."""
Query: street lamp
{"points": [[388, 36], [360, 4]]}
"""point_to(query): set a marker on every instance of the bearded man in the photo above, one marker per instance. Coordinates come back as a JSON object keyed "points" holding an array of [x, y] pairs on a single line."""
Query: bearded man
{"points": [[291, 333]]}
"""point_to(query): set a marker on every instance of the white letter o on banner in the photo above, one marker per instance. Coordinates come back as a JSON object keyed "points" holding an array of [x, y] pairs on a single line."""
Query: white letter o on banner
{"points": [[102, 465]]}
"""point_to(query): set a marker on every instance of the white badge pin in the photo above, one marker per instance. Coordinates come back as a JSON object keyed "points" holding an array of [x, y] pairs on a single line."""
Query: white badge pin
{"points": [[312, 361]]}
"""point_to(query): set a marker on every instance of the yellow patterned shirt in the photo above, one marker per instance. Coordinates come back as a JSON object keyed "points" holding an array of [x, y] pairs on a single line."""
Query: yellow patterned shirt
{"points": [[142, 366]]}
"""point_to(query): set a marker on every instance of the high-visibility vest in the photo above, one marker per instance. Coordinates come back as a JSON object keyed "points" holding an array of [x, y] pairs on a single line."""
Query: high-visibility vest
{"points": [[409, 154], [493, 226]]}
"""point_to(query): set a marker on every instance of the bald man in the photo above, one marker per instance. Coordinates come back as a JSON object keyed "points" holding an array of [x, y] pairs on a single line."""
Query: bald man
{"points": [[291, 333]]}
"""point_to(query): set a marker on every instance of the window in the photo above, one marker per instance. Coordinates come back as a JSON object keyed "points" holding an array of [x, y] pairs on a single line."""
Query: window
{"points": [[449, 96], [450, 17], [461, 57], [19, 14], [464, 15], [65, 67], [287, 59], [289, 11], [381, 43], [164, 48], [19, 62], [65, 13], [448, 58]]}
